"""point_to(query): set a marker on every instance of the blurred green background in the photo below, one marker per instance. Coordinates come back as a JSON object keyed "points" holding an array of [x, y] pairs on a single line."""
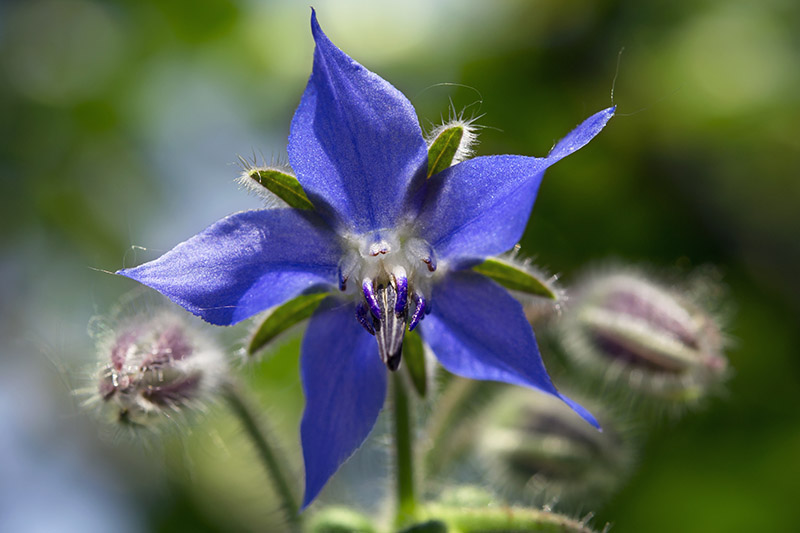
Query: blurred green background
{"points": [[121, 121]]}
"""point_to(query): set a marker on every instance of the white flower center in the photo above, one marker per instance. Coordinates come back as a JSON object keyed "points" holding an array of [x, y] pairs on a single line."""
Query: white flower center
{"points": [[389, 275]]}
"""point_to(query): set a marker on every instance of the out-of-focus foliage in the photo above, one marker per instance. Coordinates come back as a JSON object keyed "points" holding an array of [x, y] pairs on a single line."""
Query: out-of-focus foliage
{"points": [[121, 121]]}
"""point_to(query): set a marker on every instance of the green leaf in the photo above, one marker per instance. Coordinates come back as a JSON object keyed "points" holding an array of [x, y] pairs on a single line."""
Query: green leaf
{"points": [[282, 184], [443, 149], [282, 318], [516, 278], [414, 356]]}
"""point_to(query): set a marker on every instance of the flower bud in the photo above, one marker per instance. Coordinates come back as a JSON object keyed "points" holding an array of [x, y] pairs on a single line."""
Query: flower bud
{"points": [[622, 326], [154, 365], [540, 451]]}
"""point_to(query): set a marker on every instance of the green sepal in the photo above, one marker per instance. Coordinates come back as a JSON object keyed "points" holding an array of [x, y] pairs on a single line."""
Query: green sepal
{"points": [[282, 184], [515, 278], [443, 149], [284, 317], [414, 356]]}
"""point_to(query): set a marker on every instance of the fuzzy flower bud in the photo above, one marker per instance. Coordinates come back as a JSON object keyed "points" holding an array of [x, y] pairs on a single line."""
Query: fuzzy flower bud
{"points": [[153, 366], [622, 326], [539, 450]]}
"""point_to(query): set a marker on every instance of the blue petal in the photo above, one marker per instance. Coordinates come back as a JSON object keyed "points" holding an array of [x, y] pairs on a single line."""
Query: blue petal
{"points": [[244, 264], [355, 142], [480, 207], [344, 382], [581, 135], [478, 331]]}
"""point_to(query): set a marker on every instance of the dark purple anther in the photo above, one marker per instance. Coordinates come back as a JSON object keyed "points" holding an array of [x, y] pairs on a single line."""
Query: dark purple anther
{"points": [[420, 250], [402, 295], [380, 247], [347, 266], [372, 300], [419, 311], [363, 318]]}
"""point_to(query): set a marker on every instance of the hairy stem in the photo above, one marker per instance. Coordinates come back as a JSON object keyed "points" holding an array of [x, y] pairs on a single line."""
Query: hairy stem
{"points": [[403, 438], [267, 452]]}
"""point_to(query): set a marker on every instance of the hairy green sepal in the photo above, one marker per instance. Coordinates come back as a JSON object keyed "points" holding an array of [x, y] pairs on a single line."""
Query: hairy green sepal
{"points": [[282, 318], [283, 185], [443, 149], [515, 278]]}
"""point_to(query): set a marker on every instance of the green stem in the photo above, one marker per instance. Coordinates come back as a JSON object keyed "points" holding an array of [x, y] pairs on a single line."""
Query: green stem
{"points": [[406, 498], [267, 452]]}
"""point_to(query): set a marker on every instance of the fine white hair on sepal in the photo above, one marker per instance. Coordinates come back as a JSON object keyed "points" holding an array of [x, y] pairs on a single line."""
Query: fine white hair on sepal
{"points": [[538, 309], [469, 137], [251, 166]]}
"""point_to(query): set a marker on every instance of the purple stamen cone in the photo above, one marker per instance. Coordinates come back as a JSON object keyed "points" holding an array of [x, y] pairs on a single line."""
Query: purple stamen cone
{"points": [[372, 300], [419, 312], [362, 315], [402, 295]]}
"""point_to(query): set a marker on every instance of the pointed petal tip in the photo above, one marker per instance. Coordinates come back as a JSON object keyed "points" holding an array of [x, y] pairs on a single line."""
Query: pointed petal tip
{"points": [[581, 411], [316, 29], [129, 273], [581, 135]]}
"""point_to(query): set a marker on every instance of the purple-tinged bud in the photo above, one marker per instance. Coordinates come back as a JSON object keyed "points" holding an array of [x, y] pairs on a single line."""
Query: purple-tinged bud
{"points": [[154, 366], [536, 448], [657, 339]]}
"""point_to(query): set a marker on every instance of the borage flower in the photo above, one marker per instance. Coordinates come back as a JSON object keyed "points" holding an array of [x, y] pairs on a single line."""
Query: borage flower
{"points": [[393, 246]]}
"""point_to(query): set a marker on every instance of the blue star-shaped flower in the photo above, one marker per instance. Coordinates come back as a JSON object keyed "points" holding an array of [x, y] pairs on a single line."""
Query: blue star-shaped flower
{"points": [[392, 245]]}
